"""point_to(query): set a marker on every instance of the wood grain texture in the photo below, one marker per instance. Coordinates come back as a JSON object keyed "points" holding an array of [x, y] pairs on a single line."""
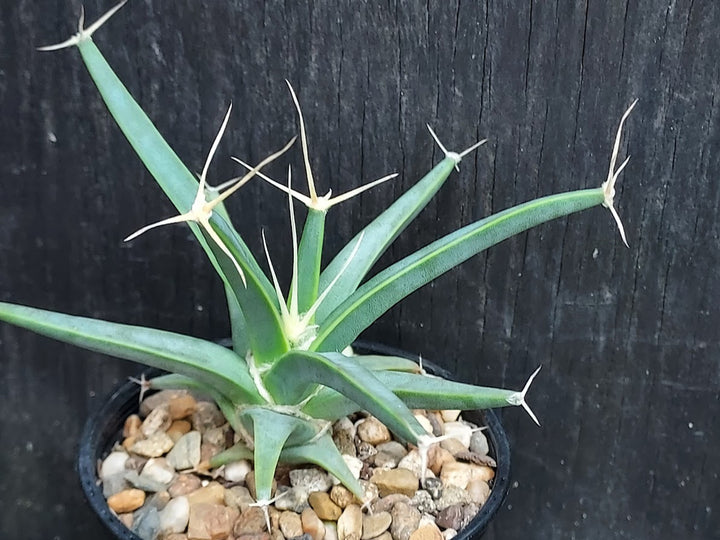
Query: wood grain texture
{"points": [[628, 338]]}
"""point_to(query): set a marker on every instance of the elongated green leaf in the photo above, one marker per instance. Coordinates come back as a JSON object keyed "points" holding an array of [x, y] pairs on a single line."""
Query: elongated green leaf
{"points": [[347, 377], [211, 364], [428, 392], [175, 381], [309, 255], [238, 327], [264, 324], [270, 432], [181, 186], [375, 362], [234, 453], [175, 179], [378, 235], [393, 284]]}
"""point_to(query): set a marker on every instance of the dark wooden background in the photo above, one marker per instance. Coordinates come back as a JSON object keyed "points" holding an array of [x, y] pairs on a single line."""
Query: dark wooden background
{"points": [[628, 397]]}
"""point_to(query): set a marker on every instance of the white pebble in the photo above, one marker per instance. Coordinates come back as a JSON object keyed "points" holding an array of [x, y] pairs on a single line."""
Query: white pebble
{"points": [[237, 471], [158, 470], [460, 431], [424, 422], [174, 517], [113, 464], [450, 415]]}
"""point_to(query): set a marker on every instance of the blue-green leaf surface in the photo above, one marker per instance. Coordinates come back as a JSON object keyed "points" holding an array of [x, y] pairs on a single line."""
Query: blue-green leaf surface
{"points": [[297, 373], [309, 255], [371, 300], [211, 364], [377, 236]]}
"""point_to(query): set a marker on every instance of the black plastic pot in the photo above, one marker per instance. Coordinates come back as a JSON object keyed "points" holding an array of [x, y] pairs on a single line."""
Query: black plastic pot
{"points": [[104, 429]]}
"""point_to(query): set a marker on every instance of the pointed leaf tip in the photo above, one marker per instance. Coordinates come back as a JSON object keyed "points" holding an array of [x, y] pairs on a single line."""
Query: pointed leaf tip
{"points": [[455, 156], [608, 186], [518, 398], [84, 33]]}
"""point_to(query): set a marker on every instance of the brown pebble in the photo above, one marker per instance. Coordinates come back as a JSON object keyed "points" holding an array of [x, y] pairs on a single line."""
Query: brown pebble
{"points": [[132, 425], [290, 524], [386, 504], [479, 491], [341, 496], [154, 446], [213, 493], [126, 500], [312, 524], [349, 525], [250, 522], [437, 457], [477, 459], [395, 481], [158, 399], [323, 506], [373, 431], [184, 484], [427, 532], [210, 521], [129, 442], [176, 536], [436, 421], [181, 406], [451, 517], [405, 520], [158, 420], [375, 524], [460, 474], [254, 536], [178, 428], [126, 519], [453, 446], [208, 451], [206, 416], [274, 518], [238, 497]]}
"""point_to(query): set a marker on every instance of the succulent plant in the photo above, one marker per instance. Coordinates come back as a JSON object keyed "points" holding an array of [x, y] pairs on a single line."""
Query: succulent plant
{"points": [[286, 377]]}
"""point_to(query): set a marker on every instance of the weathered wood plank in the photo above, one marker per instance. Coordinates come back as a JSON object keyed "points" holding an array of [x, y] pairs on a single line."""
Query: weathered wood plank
{"points": [[628, 338]]}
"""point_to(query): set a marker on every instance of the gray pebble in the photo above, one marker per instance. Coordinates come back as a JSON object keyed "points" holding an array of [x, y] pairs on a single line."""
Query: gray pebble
{"points": [[310, 480], [294, 499], [186, 452], [452, 495], [423, 501], [451, 517], [469, 512], [479, 443], [146, 523], [114, 483], [144, 483], [405, 520], [434, 487]]}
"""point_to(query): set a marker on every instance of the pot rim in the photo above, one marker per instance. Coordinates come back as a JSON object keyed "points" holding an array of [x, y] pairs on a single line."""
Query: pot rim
{"points": [[102, 428]]}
